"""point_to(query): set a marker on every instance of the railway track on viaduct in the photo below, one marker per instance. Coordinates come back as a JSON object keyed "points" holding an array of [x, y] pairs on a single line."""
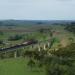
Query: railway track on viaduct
{"points": [[13, 48]]}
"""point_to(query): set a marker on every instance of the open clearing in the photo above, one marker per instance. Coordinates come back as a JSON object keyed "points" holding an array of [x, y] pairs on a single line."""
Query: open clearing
{"points": [[16, 66]]}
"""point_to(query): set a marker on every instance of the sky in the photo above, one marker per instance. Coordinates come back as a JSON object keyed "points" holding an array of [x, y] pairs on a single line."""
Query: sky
{"points": [[37, 9]]}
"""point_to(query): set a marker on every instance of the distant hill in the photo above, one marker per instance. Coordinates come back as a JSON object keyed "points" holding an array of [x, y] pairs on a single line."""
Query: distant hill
{"points": [[33, 22]]}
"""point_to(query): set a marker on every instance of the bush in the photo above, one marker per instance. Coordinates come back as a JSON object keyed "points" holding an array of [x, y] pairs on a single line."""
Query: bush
{"points": [[1, 42], [14, 38]]}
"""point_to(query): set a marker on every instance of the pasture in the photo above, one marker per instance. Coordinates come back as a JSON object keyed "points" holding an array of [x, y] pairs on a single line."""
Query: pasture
{"points": [[16, 66]]}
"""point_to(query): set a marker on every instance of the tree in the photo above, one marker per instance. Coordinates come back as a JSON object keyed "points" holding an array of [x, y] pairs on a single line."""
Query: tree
{"points": [[31, 63], [71, 40], [1, 33], [14, 38], [1, 42], [59, 66]]}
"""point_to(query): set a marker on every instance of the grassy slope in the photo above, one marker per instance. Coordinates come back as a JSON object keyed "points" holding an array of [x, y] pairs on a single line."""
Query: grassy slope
{"points": [[16, 67]]}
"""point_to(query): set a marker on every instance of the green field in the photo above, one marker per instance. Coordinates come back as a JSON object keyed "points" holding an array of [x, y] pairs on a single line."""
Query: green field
{"points": [[16, 66]]}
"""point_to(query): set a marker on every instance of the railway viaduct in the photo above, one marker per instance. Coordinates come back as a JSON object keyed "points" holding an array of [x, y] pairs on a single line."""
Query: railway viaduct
{"points": [[27, 43]]}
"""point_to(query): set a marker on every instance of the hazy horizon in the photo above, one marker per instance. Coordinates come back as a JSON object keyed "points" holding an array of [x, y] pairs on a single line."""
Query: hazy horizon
{"points": [[37, 9]]}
